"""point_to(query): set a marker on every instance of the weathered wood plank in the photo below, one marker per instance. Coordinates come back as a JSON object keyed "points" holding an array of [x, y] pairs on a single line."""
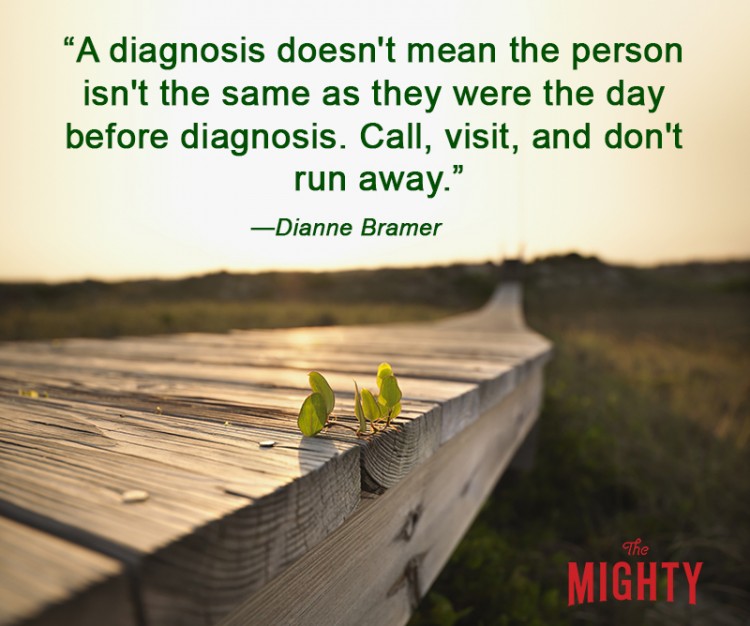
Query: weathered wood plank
{"points": [[351, 343], [460, 402], [181, 419], [502, 314], [46, 581], [248, 511], [423, 389], [491, 367], [374, 569], [493, 376], [385, 460], [321, 357]]}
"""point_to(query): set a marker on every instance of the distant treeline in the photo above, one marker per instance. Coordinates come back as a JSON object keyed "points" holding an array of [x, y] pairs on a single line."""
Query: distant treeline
{"points": [[451, 287]]}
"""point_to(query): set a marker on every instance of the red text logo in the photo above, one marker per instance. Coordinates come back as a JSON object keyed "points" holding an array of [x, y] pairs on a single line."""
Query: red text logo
{"points": [[625, 581]]}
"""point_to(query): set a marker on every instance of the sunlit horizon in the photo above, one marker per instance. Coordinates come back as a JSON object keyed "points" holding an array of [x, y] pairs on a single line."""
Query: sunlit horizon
{"points": [[375, 267]]}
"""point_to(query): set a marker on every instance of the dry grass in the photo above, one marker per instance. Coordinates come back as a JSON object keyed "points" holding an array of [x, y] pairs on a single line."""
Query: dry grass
{"points": [[117, 319], [644, 433]]}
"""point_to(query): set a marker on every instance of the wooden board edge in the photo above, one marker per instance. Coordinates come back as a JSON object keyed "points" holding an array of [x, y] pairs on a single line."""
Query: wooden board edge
{"points": [[48, 581], [202, 576], [376, 566]]}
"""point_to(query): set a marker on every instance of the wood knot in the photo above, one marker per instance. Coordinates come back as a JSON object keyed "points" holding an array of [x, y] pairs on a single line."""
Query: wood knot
{"points": [[410, 580], [407, 531]]}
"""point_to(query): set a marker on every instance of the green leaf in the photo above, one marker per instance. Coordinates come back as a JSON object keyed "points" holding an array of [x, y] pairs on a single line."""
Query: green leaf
{"points": [[359, 411], [312, 415], [370, 406], [390, 394], [320, 385], [384, 370], [396, 410]]}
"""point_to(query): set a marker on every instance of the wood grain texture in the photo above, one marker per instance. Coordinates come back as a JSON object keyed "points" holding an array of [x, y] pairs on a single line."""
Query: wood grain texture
{"points": [[212, 490], [389, 457], [48, 582], [148, 450], [374, 569]]}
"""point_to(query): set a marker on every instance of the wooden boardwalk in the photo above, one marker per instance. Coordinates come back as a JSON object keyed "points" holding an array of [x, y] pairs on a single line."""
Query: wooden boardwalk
{"points": [[134, 489]]}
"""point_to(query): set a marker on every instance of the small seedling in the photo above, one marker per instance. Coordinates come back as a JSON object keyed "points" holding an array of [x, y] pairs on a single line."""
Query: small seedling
{"points": [[371, 407], [316, 411], [315, 414], [389, 396], [359, 411], [320, 385], [312, 416], [384, 370]]}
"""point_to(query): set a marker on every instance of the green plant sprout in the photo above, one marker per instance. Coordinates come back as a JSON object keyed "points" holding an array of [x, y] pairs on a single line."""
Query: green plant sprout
{"points": [[316, 411], [359, 411], [320, 385], [389, 396], [312, 416], [370, 409], [317, 407]]}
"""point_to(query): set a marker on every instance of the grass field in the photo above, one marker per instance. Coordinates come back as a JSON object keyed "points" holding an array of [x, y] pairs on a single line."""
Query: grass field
{"points": [[645, 430], [220, 302], [644, 433]]}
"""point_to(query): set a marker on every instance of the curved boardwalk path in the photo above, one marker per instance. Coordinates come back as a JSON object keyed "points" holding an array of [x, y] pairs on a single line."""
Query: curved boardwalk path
{"points": [[134, 489]]}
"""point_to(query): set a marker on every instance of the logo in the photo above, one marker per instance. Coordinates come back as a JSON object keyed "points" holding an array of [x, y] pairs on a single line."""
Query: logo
{"points": [[625, 581]]}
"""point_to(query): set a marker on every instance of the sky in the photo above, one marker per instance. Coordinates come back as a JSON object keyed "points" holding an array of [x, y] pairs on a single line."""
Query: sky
{"points": [[71, 214]]}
